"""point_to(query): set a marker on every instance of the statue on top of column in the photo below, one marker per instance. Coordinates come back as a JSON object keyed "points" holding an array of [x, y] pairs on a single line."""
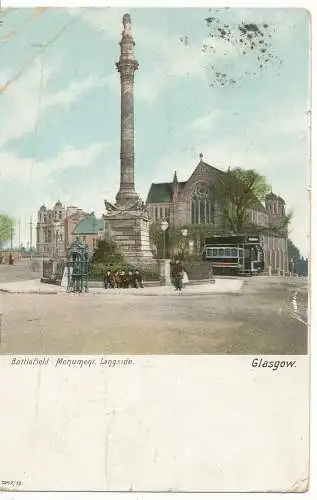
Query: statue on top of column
{"points": [[126, 24]]}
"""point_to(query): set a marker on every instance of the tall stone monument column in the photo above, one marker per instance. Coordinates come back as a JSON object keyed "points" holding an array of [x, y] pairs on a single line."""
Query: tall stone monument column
{"points": [[127, 219], [126, 66]]}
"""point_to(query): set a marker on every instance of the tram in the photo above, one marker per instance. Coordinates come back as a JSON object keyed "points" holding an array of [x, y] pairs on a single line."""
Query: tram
{"points": [[234, 254]]}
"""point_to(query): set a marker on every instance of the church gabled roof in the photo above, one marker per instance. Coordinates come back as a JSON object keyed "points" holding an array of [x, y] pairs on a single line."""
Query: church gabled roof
{"points": [[90, 225], [202, 167], [162, 192]]}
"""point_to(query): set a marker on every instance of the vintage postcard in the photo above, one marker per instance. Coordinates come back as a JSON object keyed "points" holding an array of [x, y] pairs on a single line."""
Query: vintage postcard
{"points": [[155, 249]]}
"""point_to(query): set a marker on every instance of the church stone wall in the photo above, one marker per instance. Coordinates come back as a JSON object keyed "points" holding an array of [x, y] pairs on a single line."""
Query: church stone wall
{"points": [[180, 213]]}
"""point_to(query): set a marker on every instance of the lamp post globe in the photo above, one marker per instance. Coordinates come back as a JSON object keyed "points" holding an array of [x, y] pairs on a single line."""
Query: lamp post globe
{"points": [[164, 226]]}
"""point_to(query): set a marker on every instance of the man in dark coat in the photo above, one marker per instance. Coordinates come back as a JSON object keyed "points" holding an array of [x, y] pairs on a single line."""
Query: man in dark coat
{"points": [[137, 278], [109, 279], [177, 275]]}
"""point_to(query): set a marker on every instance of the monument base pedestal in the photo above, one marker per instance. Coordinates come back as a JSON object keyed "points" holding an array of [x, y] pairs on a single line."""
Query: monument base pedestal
{"points": [[129, 229]]}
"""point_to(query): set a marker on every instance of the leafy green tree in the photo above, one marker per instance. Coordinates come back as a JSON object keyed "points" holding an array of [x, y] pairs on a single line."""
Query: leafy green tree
{"points": [[156, 237], [172, 236], [108, 253], [297, 263], [293, 251], [301, 267], [236, 192], [6, 227], [175, 242]]}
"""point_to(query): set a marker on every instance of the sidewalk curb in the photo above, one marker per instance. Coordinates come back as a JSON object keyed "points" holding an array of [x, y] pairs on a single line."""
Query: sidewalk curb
{"points": [[171, 293], [29, 292]]}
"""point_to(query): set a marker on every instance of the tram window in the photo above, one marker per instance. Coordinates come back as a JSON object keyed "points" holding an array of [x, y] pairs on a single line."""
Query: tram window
{"points": [[247, 253], [221, 252], [214, 252], [209, 252], [253, 254], [227, 252], [234, 252], [240, 252]]}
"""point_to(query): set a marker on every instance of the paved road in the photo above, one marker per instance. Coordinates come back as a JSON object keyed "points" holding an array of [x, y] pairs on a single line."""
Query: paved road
{"points": [[261, 319], [18, 272]]}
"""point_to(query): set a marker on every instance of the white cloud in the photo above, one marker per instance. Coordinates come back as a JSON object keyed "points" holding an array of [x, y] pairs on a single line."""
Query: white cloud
{"points": [[204, 124], [26, 170], [28, 184], [106, 20], [27, 98], [73, 92], [174, 59], [281, 122], [22, 99]]}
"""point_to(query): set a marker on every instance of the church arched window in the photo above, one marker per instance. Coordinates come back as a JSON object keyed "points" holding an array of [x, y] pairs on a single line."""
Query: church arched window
{"points": [[202, 209]]}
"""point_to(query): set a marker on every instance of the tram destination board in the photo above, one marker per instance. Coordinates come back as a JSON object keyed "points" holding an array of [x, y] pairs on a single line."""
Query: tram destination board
{"points": [[236, 239]]}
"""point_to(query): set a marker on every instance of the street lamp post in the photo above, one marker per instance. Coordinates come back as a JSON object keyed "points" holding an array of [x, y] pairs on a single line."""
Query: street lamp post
{"points": [[164, 227]]}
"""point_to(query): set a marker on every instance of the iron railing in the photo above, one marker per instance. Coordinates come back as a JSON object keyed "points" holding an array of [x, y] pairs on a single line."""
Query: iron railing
{"points": [[96, 272]]}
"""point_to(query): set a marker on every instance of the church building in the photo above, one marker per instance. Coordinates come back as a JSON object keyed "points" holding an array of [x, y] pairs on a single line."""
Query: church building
{"points": [[186, 203]]}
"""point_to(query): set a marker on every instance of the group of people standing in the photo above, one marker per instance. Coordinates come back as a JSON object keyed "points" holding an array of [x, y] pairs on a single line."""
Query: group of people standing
{"points": [[120, 278], [132, 278]]}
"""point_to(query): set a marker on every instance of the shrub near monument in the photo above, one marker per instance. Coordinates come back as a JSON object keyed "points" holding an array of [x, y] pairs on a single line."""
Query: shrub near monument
{"points": [[108, 255]]}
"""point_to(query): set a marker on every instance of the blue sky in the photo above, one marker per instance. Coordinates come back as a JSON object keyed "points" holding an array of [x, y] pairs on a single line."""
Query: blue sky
{"points": [[60, 105]]}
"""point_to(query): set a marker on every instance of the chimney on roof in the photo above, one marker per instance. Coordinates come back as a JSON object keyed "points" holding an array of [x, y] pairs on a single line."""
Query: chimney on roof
{"points": [[201, 156], [175, 180]]}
